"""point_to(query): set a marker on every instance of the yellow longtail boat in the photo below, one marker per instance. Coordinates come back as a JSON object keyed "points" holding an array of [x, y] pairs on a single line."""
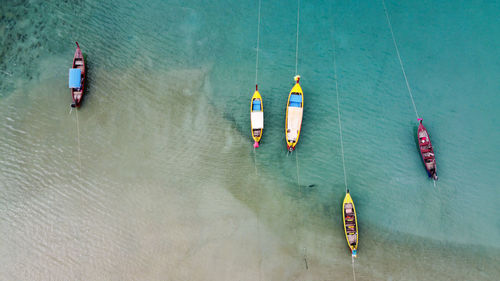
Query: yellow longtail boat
{"points": [[350, 224], [294, 112], [256, 117]]}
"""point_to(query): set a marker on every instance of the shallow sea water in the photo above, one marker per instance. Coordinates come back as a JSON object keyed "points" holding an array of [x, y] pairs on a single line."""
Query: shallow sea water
{"points": [[165, 183]]}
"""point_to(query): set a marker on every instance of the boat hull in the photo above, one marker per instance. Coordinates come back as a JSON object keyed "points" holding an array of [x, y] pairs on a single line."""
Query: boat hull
{"points": [[256, 117], [427, 151], [294, 113], [350, 220], [78, 62]]}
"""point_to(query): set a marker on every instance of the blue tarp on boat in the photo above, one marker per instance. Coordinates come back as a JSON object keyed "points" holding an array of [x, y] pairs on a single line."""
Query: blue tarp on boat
{"points": [[75, 77], [295, 100], [256, 105]]}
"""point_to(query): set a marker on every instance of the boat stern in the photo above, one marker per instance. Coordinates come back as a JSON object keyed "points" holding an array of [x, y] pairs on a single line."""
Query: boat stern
{"points": [[77, 99], [290, 145], [76, 102], [354, 253]]}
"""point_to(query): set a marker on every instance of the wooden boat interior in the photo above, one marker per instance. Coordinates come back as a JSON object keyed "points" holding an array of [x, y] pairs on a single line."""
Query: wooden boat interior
{"points": [[350, 223]]}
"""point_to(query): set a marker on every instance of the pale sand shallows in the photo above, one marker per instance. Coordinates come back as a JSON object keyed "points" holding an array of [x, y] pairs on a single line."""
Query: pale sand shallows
{"points": [[153, 199], [169, 192]]}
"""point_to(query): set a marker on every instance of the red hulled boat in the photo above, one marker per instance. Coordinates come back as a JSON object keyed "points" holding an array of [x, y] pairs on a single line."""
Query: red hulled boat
{"points": [[426, 151], [77, 77]]}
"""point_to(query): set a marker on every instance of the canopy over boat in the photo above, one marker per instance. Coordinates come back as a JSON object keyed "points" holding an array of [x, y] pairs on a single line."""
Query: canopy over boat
{"points": [[75, 78]]}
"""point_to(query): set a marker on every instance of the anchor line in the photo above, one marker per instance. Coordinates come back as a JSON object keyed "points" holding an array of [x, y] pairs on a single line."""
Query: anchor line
{"points": [[297, 43], [400, 60], [255, 161], [297, 163], [353, 272], [258, 42], [338, 115], [78, 141], [257, 212], [300, 193], [340, 131], [296, 153]]}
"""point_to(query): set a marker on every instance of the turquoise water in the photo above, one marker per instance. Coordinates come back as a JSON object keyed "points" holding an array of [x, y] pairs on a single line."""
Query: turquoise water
{"points": [[165, 135]]}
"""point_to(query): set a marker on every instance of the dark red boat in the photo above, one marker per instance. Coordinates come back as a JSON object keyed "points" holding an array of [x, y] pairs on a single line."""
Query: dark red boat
{"points": [[77, 77], [426, 150]]}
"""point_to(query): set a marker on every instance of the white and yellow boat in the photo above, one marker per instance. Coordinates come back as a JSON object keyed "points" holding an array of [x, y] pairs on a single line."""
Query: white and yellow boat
{"points": [[256, 117], [294, 112], [350, 224]]}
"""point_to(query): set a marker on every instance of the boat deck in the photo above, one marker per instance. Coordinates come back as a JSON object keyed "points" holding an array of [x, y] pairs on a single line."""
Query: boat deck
{"points": [[294, 122], [257, 119]]}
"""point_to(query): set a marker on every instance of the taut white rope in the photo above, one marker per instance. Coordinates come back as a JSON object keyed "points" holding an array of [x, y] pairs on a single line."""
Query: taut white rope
{"points": [[296, 154], [258, 41], [400, 61], [338, 112], [78, 138], [297, 45], [353, 272], [297, 162], [340, 131]]}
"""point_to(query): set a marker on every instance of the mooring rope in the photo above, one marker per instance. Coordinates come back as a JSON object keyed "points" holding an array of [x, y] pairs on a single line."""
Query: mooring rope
{"points": [[400, 61], [254, 152], [255, 161], [297, 44], [297, 162], [338, 113], [296, 154], [340, 132], [304, 254], [296, 65], [258, 41], [257, 211], [78, 139], [353, 272]]}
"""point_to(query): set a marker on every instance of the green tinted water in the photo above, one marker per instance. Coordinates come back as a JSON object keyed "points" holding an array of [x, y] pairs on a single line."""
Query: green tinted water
{"points": [[169, 185]]}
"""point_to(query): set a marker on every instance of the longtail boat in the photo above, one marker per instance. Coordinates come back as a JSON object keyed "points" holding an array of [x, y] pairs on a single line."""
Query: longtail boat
{"points": [[256, 117], [426, 150], [350, 224], [294, 112], [77, 77]]}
